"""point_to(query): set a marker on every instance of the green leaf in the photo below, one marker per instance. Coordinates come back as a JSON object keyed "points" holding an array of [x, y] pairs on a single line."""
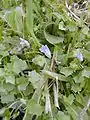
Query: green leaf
{"points": [[78, 87], [29, 90], [85, 30], [72, 111], [63, 117], [2, 111], [5, 3], [75, 111], [39, 60], [2, 72], [18, 18], [22, 83], [69, 100], [86, 54], [25, 75], [86, 72], [7, 98], [22, 86], [53, 39], [79, 78], [10, 19], [80, 99], [8, 87], [34, 78], [61, 26], [34, 108], [21, 80], [8, 68], [29, 15], [71, 27], [88, 45], [29, 20], [18, 65], [66, 71], [75, 65], [10, 79], [59, 16], [61, 58], [2, 89]]}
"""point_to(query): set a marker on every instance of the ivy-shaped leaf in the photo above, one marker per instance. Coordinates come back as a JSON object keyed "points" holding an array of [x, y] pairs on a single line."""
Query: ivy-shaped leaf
{"points": [[39, 60], [10, 79], [18, 65], [34, 108]]}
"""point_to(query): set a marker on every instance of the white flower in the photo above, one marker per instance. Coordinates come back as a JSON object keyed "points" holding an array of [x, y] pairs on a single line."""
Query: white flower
{"points": [[24, 43], [44, 49]]}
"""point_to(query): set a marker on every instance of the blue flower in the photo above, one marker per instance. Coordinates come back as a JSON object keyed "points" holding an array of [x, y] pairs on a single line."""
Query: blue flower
{"points": [[44, 49], [79, 56]]}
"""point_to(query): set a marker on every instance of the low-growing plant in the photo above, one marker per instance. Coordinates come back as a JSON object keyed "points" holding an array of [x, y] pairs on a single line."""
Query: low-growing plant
{"points": [[44, 60]]}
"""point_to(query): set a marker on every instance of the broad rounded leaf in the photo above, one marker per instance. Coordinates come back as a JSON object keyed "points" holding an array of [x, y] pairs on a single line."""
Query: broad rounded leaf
{"points": [[39, 60], [34, 108]]}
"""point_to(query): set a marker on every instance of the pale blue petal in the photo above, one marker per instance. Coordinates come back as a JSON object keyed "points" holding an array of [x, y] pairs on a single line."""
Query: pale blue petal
{"points": [[44, 49], [80, 56]]}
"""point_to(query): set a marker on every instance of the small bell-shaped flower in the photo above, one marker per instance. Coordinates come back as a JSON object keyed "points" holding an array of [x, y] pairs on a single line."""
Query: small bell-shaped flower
{"points": [[44, 49], [79, 56], [24, 43]]}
